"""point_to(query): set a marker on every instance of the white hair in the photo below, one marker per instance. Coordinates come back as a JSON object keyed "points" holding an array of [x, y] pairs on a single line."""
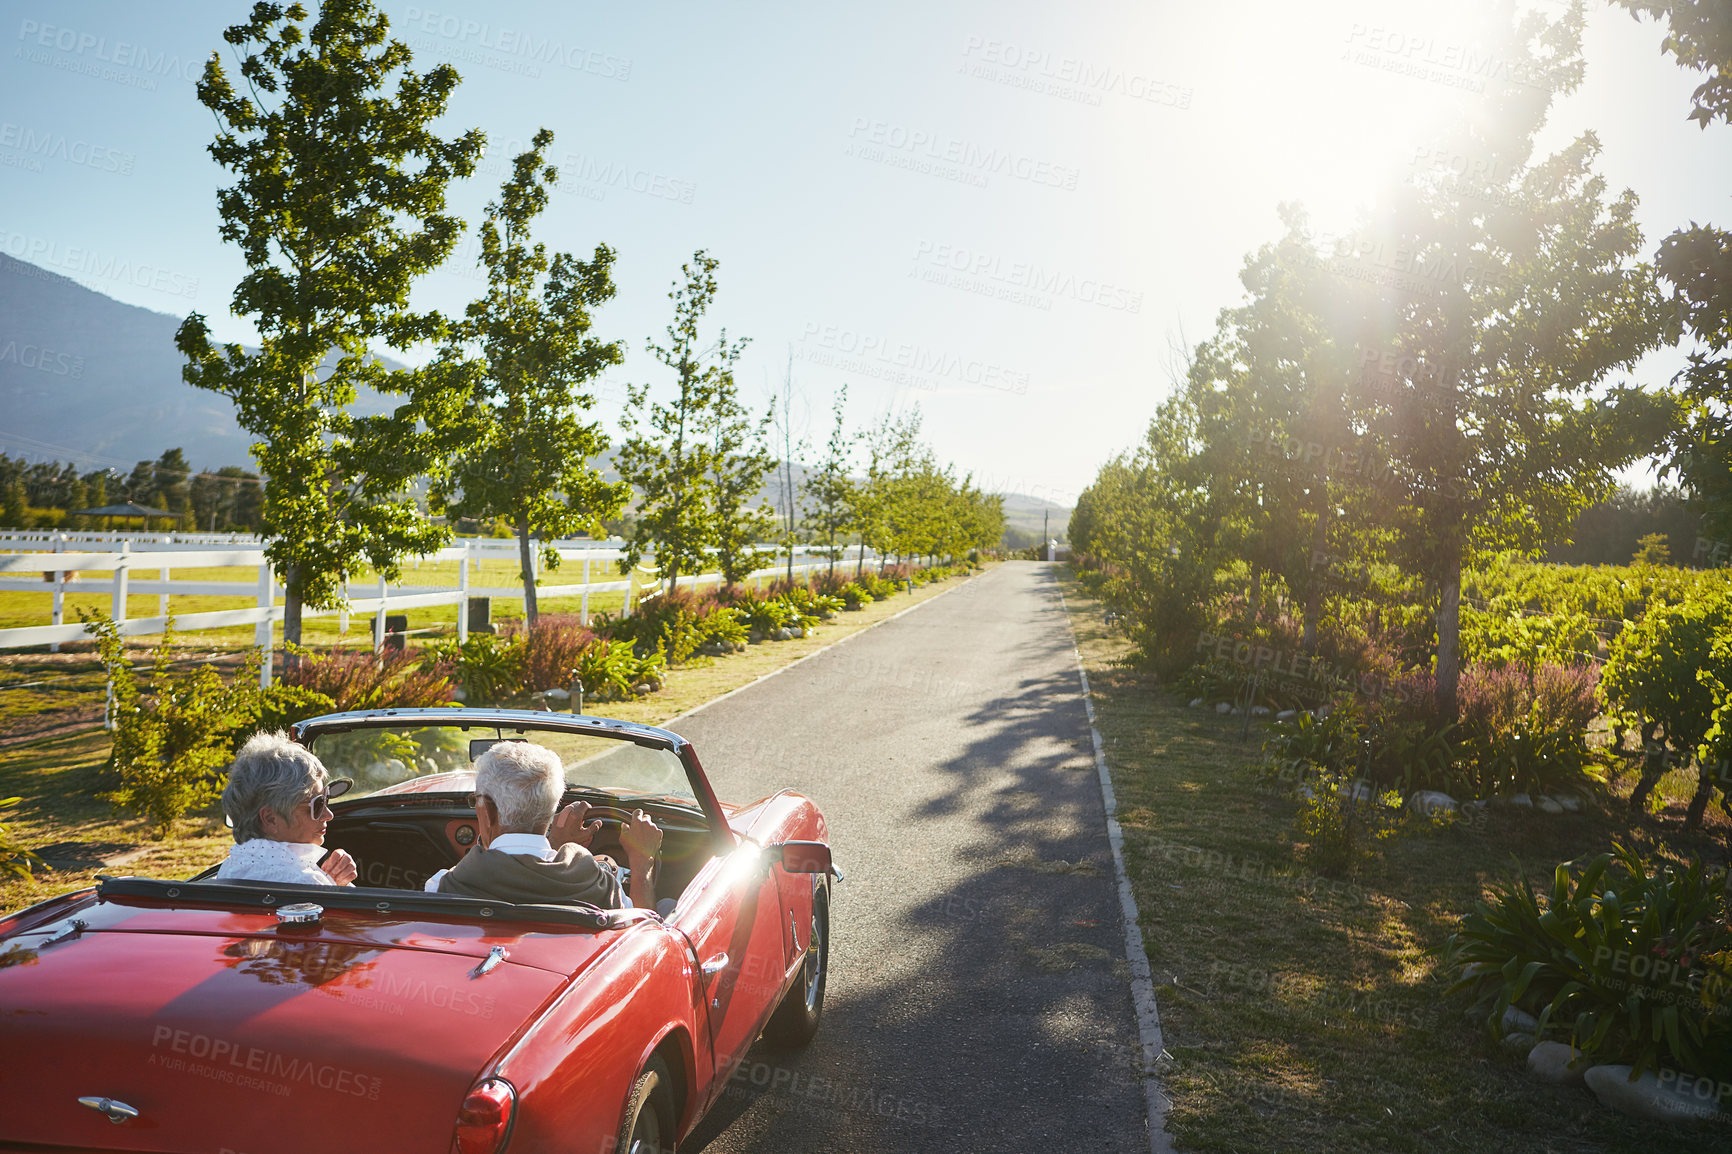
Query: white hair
{"points": [[525, 782], [269, 770]]}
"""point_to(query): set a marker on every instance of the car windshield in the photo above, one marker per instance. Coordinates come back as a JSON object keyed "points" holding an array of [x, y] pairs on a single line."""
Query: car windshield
{"points": [[375, 757]]}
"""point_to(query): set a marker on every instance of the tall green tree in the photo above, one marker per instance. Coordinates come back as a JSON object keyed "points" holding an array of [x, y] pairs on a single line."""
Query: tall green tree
{"points": [[829, 488], [668, 455], [739, 460], [528, 453], [1697, 263], [789, 447], [1533, 298], [171, 481], [338, 208]]}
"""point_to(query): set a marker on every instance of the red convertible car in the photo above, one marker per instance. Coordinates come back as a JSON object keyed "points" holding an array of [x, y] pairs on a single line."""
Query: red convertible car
{"points": [[205, 1015]]}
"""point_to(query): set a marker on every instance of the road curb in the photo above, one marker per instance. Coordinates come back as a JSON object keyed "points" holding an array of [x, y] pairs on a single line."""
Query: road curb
{"points": [[1136, 955], [821, 649]]}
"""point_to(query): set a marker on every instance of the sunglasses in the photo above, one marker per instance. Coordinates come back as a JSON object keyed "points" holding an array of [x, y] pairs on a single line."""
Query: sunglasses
{"points": [[473, 801], [319, 805]]}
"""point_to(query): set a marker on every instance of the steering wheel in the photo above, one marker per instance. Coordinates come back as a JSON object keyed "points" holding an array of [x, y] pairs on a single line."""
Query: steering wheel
{"points": [[608, 815]]}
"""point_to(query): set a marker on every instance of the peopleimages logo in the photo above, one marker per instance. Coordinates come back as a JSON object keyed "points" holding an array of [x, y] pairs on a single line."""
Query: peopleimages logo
{"points": [[1066, 77], [228, 1059], [518, 43], [58, 146], [121, 53], [1020, 282], [43, 360], [936, 153], [902, 362], [97, 266]]}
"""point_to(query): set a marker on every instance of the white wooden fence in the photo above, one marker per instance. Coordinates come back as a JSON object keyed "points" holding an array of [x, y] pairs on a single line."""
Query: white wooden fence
{"points": [[55, 568]]}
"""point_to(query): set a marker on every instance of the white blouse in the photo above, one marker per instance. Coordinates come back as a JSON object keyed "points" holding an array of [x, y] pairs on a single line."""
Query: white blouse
{"points": [[260, 859]]}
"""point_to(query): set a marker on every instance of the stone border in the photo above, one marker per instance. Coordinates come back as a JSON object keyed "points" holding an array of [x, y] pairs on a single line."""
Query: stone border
{"points": [[1136, 955]]}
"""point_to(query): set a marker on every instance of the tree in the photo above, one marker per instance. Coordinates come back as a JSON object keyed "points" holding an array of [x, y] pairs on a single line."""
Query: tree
{"points": [[1697, 263], [12, 508], [739, 459], [829, 488], [140, 484], [169, 481], [668, 455], [338, 208], [789, 447], [1531, 299], [527, 455]]}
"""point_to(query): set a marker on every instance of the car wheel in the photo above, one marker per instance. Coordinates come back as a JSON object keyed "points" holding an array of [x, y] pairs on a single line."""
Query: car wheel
{"points": [[648, 1125], [795, 1021]]}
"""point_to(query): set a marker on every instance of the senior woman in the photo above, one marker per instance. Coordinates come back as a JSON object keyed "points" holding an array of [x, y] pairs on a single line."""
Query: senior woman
{"points": [[278, 801]]}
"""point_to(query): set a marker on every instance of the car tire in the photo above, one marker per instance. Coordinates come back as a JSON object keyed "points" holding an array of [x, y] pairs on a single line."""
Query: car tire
{"points": [[648, 1125], [795, 1022]]}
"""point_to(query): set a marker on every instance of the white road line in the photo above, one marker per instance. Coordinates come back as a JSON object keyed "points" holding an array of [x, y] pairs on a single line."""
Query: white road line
{"points": [[1142, 981], [815, 652]]}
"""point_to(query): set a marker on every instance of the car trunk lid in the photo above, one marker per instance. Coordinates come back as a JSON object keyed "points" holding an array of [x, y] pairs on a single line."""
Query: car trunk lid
{"points": [[226, 1030]]}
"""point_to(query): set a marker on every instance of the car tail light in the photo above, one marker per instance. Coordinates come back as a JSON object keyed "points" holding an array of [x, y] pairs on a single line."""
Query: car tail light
{"points": [[484, 1119]]}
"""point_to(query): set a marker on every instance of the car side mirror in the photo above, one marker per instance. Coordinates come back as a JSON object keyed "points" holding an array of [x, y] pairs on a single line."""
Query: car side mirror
{"points": [[802, 857]]}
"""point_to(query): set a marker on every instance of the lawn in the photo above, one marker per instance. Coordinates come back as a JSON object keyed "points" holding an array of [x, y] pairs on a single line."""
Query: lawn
{"points": [[1303, 1013], [59, 776]]}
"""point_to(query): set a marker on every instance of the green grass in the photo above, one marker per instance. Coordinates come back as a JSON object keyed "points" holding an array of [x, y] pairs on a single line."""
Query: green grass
{"points": [[1305, 1013]]}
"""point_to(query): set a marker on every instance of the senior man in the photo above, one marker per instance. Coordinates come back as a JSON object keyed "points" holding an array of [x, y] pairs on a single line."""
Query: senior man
{"points": [[524, 852], [278, 801]]}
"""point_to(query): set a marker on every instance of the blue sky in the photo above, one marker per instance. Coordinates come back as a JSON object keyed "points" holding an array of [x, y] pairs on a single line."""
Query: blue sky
{"points": [[1002, 211]]}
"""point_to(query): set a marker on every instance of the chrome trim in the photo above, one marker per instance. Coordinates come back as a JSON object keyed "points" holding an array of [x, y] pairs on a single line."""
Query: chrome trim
{"points": [[715, 965], [66, 933], [312, 727], [115, 1111], [487, 965], [300, 914]]}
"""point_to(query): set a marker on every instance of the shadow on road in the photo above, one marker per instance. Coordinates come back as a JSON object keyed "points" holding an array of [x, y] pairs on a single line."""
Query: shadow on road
{"points": [[978, 998]]}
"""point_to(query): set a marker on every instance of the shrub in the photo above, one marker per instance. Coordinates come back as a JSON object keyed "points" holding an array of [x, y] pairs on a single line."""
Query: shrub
{"points": [[1521, 733], [489, 666], [645, 673], [550, 650], [282, 705], [1329, 743], [671, 622], [765, 616], [1653, 681], [1632, 962], [879, 587], [15, 860], [173, 735], [361, 679], [855, 595], [1339, 818], [607, 670], [722, 630]]}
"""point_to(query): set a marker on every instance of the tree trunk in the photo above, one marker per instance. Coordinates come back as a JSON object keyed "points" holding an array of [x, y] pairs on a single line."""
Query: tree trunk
{"points": [[1449, 638], [860, 560], [1256, 596], [291, 617], [1314, 587], [528, 571]]}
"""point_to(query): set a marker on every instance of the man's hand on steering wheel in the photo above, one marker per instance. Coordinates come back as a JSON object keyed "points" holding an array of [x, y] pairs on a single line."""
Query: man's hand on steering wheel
{"points": [[640, 837], [572, 824]]}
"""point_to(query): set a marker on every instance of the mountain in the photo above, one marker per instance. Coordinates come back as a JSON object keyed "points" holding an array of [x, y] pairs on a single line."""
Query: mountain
{"points": [[85, 377]]}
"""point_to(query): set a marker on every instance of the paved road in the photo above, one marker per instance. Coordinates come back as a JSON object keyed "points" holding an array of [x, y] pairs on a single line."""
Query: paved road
{"points": [[977, 997]]}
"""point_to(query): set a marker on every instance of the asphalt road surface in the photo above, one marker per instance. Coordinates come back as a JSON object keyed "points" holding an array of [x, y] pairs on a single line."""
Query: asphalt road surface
{"points": [[977, 994]]}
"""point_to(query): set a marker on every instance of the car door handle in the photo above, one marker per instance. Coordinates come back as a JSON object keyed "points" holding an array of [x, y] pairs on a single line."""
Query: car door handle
{"points": [[715, 965]]}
